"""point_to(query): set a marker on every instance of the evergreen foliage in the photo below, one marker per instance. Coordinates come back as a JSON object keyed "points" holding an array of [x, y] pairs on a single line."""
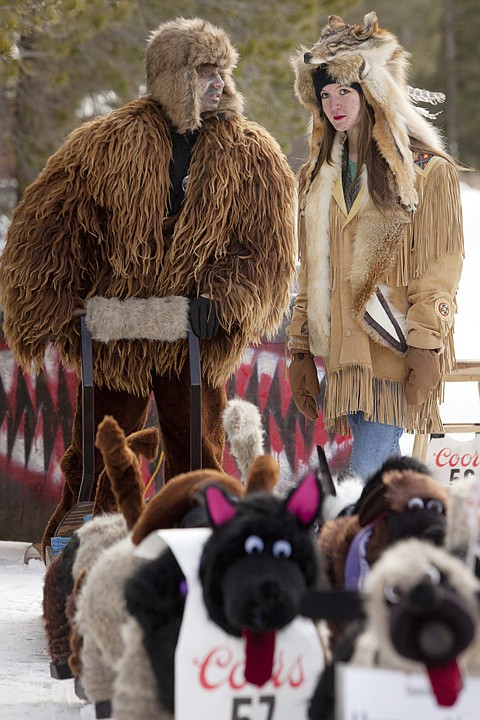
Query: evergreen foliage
{"points": [[62, 61]]}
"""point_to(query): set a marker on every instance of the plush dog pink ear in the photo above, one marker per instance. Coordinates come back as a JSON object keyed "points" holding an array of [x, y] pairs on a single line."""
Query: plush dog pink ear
{"points": [[220, 508], [304, 501]]}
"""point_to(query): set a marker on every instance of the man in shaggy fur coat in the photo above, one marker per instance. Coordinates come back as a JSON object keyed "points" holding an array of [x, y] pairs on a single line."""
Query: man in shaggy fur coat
{"points": [[173, 194]]}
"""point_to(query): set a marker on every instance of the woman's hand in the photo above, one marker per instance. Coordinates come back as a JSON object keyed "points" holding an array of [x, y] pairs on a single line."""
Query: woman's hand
{"points": [[304, 384], [423, 374]]}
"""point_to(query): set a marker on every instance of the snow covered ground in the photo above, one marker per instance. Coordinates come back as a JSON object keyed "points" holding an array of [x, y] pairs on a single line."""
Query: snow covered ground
{"points": [[26, 688]]}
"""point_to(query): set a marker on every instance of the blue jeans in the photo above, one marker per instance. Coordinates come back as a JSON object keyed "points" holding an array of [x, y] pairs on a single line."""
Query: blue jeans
{"points": [[373, 443]]}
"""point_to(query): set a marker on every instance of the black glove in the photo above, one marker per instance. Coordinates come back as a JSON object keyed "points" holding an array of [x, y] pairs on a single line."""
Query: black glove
{"points": [[203, 318]]}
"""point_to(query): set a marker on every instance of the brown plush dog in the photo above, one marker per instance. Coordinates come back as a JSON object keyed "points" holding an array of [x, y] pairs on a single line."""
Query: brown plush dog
{"points": [[119, 489], [401, 500]]}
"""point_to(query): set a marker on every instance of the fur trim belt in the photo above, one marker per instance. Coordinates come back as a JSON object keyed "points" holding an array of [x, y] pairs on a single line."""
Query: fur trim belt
{"points": [[138, 318]]}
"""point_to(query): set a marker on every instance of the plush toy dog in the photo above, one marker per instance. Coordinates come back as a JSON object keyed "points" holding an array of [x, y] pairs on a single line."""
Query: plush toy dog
{"points": [[99, 611], [246, 580], [422, 615], [96, 642], [119, 489], [401, 500]]}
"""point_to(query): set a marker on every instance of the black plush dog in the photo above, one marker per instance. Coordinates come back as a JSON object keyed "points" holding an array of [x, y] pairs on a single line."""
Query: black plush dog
{"points": [[254, 568]]}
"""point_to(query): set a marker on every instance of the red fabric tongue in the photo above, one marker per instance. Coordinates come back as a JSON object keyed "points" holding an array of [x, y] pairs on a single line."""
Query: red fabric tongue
{"points": [[446, 683], [259, 651]]}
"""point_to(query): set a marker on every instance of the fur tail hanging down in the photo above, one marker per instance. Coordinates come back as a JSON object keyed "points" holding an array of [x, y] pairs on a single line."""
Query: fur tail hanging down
{"points": [[122, 459], [243, 425]]}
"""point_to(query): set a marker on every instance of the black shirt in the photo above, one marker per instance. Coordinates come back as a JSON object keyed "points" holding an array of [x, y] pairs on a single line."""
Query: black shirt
{"points": [[182, 152]]}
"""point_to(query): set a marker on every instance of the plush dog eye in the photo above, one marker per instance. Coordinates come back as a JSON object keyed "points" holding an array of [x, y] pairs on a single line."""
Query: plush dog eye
{"points": [[254, 545], [393, 594], [433, 574], [415, 503], [436, 506], [281, 549]]}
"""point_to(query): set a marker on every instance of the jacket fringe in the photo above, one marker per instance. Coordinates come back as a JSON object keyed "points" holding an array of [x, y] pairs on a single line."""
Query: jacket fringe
{"points": [[380, 400], [91, 224], [426, 239]]}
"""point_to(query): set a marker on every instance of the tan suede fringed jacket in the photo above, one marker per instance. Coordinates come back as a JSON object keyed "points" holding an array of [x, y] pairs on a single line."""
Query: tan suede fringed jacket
{"points": [[371, 284], [91, 224]]}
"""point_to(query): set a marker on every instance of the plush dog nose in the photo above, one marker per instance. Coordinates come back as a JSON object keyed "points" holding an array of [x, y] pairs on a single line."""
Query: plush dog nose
{"points": [[307, 57], [268, 592], [423, 598], [435, 534]]}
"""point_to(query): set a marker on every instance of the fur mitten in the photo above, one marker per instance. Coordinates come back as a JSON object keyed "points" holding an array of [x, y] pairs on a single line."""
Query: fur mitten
{"points": [[423, 374], [304, 384]]}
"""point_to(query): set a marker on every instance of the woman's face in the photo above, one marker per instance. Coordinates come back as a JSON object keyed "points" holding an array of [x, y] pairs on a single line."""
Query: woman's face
{"points": [[341, 104]]}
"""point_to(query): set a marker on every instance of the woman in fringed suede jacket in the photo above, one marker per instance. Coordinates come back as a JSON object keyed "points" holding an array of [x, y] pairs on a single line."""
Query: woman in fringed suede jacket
{"points": [[173, 194], [381, 246]]}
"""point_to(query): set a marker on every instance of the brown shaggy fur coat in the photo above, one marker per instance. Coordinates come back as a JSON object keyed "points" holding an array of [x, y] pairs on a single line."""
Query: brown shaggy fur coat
{"points": [[75, 235]]}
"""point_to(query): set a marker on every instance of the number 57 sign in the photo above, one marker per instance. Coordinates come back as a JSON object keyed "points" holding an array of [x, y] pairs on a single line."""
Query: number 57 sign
{"points": [[210, 664], [242, 707]]}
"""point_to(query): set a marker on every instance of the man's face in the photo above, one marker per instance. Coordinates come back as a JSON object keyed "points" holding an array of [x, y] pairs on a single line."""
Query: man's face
{"points": [[211, 87]]}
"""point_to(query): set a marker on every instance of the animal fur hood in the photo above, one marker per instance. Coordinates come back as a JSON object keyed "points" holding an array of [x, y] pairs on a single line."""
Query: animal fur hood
{"points": [[372, 57], [174, 51]]}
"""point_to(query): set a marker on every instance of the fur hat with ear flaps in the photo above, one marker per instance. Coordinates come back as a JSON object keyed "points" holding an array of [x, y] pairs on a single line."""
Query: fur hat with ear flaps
{"points": [[371, 57], [174, 52]]}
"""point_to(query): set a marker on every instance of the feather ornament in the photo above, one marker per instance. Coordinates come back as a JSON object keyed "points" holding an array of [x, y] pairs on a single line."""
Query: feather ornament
{"points": [[427, 114], [419, 95]]}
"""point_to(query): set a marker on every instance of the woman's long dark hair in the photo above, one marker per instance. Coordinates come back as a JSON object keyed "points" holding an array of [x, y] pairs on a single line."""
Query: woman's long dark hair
{"points": [[381, 186]]}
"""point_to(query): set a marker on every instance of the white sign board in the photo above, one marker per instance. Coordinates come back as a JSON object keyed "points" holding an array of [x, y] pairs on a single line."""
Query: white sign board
{"points": [[209, 664], [371, 694], [452, 459]]}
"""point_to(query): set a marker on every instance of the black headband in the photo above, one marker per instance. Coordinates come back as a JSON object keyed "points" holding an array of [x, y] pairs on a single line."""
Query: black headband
{"points": [[321, 78]]}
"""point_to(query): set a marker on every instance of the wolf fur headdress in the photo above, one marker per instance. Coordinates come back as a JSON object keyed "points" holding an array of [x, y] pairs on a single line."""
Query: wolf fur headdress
{"points": [[372, 57], [174, 52]]}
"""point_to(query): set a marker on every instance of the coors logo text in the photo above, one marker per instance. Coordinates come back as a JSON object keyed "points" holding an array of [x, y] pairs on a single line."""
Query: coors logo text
{"points": [[221, 667]]}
